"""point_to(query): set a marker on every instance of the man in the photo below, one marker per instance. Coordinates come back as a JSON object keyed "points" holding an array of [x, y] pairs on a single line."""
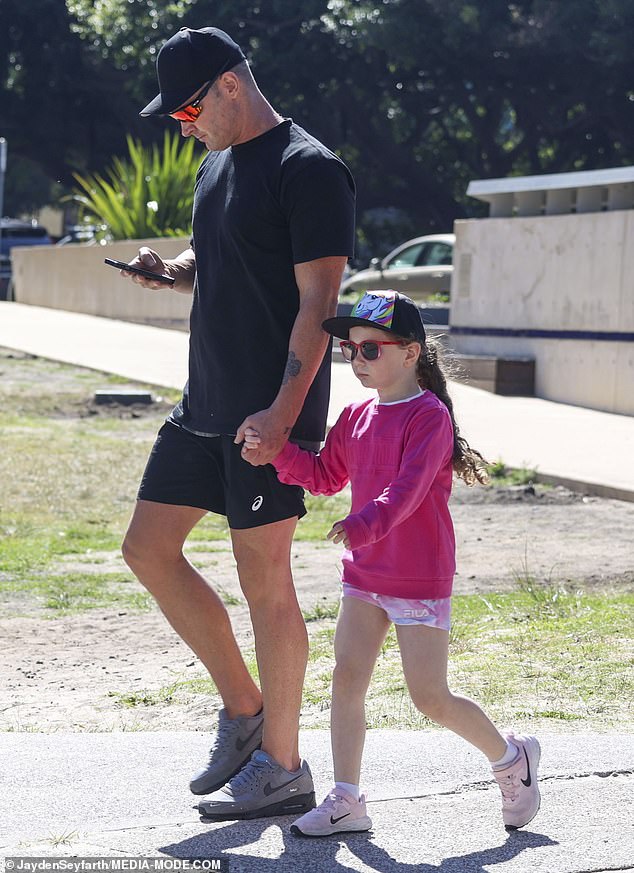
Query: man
{"points": [[273, 225]]}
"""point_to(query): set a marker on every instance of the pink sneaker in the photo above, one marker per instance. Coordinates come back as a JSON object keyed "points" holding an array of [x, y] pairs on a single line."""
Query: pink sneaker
{"points": [[518, 783], [337, 813]]}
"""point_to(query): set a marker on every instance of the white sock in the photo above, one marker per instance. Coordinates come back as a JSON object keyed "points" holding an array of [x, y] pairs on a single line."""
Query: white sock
{"points": [[508, 756], [349, 788]]}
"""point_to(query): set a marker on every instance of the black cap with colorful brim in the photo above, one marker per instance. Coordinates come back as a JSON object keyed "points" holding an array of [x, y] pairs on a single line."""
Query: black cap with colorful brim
{"points": [[386, 310]]}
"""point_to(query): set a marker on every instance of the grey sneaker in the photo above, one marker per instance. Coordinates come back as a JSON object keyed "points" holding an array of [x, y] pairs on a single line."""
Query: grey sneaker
{"points": [[261, 789], [236, 740]]}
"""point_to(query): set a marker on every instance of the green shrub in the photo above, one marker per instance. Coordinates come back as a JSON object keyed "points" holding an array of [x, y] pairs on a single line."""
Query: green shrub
{"points": [[149, 195]]}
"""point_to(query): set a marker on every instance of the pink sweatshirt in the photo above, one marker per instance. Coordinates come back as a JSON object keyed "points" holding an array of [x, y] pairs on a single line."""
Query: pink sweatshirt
{"points": [[398, 460]]}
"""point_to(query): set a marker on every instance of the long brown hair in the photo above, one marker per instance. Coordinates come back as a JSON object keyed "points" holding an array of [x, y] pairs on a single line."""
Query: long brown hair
{"points": [[432, 372]]}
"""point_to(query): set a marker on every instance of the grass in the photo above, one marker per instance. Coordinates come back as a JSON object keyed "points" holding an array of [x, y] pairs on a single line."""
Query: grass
{"points": [[529, 658], [228, 598], [66, 838], [69, 483], [78, 592], [178, 690], [503, 476], [320, 611], [546, 654], [322, 513], [69, 489]]}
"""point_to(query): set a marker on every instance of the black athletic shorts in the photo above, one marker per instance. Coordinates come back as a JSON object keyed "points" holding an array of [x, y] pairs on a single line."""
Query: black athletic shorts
{"points": [[208, 472]]}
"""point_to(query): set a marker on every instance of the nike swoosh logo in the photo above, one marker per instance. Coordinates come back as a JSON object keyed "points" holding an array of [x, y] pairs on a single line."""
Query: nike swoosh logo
{"points": [[240, 744], [269, 789], [335, 820], [528, 779]]}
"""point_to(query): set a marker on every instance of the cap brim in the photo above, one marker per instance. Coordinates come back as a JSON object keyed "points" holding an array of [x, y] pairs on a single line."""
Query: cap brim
{"points": [[340, 326], [164, 103], [154, 107]]}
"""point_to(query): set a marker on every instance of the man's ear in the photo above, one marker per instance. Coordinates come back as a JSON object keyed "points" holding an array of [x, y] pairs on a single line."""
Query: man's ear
{"points": [[229, 83]]}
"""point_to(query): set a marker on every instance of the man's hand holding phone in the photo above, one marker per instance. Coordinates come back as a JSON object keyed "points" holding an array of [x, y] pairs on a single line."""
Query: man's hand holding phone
{"points": [[149, 262]]}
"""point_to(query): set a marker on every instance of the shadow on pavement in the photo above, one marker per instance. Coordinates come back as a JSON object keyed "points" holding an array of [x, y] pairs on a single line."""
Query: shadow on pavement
{"points": [[321, 854]]}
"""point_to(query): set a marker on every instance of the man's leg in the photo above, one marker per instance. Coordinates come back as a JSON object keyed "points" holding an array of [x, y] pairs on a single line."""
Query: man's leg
{"points": [[263, 559], [274, 781], [153, 550]]}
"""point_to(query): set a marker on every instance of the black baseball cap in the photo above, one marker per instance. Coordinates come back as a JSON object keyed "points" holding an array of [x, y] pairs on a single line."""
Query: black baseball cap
{"points": [[388, 310], [189, 60]]}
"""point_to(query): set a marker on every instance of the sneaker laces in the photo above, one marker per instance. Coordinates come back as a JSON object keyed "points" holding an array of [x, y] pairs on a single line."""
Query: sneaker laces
{"points": [[330, 802], [509, 786], [250, 773]]}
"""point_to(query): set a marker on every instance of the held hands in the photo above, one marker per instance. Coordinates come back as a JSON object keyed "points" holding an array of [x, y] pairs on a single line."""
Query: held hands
{"points": [[337, 534], [250, 450], [263, 437], [250, 453], [149, 260], [251, 446]]}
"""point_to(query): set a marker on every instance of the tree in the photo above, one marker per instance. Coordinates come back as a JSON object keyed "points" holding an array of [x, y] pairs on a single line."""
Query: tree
{"points": [[483, 89], [418, 96], [61, 107]]}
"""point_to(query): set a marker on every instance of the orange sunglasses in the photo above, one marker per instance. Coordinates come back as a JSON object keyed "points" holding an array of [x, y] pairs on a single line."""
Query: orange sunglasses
{"points": [[192, 110]]}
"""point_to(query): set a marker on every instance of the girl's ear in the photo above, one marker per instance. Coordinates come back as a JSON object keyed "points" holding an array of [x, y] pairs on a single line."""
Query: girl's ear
{"points": [[413, 350]]}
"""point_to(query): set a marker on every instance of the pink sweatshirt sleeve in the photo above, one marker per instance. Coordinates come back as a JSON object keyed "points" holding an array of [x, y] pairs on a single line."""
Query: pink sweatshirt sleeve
{"points": [[325, 473], [428, 445]]}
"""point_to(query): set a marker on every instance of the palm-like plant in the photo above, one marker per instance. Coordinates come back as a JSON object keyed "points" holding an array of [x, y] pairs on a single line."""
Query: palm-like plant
{"points": [[149, 195]]}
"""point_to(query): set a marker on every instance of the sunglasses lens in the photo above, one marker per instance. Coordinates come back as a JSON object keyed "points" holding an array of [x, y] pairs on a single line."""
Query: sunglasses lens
{"points": [[370, 351], [348, 351], [188, 113]]}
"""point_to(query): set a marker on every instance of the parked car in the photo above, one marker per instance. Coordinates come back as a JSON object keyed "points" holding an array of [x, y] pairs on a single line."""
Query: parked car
{"points": [[78, 233], [17, 233], [420, 268]]}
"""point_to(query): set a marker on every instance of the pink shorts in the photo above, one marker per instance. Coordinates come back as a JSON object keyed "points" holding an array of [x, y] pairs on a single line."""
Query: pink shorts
{"points": [[400, 610]]}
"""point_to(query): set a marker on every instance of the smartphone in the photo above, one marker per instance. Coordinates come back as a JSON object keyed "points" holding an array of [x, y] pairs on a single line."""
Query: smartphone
{"points": [[157, 277]]}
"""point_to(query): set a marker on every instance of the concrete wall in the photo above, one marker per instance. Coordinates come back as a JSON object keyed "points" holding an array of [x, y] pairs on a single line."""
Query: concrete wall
{"points": [[75, 278], [562, 276]]}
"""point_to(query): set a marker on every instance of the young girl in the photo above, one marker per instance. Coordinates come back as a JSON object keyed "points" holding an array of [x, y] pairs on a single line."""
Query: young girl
{"points": [[399, 451]]}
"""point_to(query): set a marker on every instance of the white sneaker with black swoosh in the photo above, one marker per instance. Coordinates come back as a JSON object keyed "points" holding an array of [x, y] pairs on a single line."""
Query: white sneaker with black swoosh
{"points": [[338, 813], [518, 783], [262, 788]]}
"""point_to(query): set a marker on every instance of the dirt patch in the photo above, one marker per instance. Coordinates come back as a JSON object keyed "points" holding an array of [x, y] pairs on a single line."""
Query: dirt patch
{"points": [[531, 494], [48, 388]]}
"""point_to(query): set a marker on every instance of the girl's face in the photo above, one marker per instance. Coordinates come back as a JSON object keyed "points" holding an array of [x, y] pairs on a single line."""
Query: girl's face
{"points": [[393, 373]]}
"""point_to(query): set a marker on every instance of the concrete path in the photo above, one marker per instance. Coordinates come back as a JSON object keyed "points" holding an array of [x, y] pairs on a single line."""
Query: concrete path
{"points": [[432, 803], [566, 444]]}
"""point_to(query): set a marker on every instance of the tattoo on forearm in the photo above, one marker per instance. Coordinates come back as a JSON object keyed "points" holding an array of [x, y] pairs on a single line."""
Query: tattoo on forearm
{"points": [[293, 367]]}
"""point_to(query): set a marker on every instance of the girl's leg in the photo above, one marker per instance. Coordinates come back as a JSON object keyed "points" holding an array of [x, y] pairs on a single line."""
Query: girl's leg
{"points": [[424, 652], [361, 630], [424, 655]]}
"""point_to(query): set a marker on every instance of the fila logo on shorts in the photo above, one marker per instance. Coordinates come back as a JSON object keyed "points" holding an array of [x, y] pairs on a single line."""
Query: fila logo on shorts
{"points": [[257, 503]]}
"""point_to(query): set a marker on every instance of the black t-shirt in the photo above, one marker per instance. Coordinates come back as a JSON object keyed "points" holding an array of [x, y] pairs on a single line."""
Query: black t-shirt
{"points": [[259, 208]]}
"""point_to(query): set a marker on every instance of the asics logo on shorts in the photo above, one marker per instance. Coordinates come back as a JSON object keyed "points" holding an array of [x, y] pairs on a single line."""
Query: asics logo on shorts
{"points": [[257, 503]]}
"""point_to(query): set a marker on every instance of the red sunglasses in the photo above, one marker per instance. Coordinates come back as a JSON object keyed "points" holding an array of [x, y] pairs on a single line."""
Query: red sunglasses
{"points": [[369, 349], [192, 110]]}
